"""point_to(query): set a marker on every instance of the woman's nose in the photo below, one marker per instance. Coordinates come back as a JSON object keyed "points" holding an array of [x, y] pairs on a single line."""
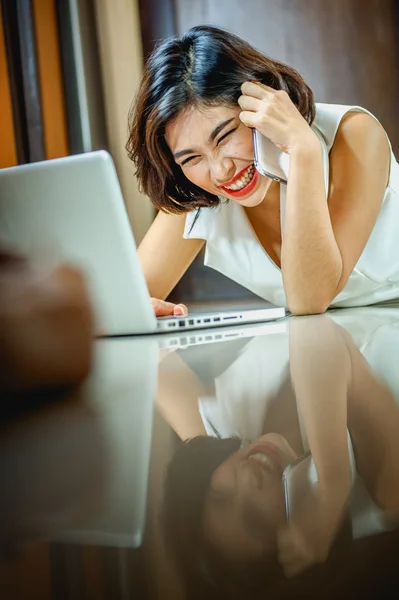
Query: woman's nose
{"points": [[222, 171], [250, 476]]}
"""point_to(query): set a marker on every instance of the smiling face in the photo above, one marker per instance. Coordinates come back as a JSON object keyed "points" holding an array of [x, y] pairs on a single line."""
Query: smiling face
{"points": [[245, 504], [215, 152]]}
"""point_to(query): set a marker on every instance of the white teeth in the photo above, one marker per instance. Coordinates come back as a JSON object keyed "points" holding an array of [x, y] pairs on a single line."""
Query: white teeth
{"points": [[243, 181]]}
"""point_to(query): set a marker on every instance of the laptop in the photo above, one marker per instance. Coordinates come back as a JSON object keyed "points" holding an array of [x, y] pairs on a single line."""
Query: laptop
{"points": [[72, 210]]}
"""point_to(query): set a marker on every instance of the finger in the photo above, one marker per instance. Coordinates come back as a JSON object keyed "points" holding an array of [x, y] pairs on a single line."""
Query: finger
{"points": [[289, 559], [295, 569], [288, 545], [285, 538], [288, 554], [162, 308], [272, 91], [180, 309], [257, 90], [250, 119], [250, 103]]}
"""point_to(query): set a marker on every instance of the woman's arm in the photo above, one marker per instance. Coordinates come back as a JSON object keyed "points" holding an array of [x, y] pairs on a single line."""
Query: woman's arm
{"points": [[373, 420], [321, 374], [165, 255], [177, 397], [324, 240], [335, 389]]}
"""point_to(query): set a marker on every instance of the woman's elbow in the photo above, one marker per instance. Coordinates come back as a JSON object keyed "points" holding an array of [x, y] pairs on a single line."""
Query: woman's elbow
{"points": [[307, 306]]}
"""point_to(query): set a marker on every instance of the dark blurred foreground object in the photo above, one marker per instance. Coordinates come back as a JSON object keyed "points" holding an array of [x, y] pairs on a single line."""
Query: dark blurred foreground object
{"points": [[46, 326]]}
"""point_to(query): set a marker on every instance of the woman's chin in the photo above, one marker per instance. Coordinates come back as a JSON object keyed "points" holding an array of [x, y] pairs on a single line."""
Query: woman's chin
{"points": [[251, 201], [257, 196]]}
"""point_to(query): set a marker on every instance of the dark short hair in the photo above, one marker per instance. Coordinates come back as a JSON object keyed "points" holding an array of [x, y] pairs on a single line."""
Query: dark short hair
{"points": [[205, 67], [202, 567], [205, 572], [187, 481]]}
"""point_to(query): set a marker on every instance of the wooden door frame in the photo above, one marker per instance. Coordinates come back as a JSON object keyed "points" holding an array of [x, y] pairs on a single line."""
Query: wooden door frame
{"points": [[158, 21], [19, 35]]}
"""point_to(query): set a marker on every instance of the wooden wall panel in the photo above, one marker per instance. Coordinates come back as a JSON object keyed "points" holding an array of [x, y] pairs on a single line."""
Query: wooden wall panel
{"points": [[50, 78], [8, 148], [157, 22], [25, 36], [346, 49], [27, 574]]}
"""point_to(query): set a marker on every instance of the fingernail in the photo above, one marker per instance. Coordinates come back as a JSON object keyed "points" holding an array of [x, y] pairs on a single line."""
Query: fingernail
{"points": [[178, 310]]}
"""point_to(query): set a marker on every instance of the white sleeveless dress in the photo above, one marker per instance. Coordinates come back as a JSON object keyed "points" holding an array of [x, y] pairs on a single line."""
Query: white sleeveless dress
{"points": [[243, 392], [233, 248]]}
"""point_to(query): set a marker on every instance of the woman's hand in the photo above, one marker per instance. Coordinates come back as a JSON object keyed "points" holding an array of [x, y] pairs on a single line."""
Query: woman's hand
{"points": [[298, 552], [168, 309], [274, 115], [306, 540]]}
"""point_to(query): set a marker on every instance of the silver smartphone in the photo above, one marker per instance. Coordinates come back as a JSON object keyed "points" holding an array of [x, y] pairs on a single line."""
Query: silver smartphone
{"points": [[269, 160], [297, 478]]}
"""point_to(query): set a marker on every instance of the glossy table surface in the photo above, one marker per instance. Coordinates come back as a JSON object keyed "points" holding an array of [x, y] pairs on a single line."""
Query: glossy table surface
{"points": [[288, 487]]}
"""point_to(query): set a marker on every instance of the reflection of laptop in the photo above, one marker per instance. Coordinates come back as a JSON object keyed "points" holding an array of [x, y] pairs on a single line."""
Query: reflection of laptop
{"points": [[121, 390], [72, 210], [225, 334]]}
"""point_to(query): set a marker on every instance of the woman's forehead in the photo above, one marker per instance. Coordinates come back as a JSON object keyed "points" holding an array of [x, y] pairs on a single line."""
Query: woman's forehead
{"points": [[194, 125]]}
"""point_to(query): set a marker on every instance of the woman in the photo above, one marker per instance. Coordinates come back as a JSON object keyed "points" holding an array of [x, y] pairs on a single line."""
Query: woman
{"points": [[327, 238], [225, 510]]}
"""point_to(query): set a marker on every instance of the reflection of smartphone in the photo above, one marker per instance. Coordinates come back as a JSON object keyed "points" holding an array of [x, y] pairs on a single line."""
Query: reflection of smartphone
{"points": [[269, 160], [301, 475], [297, 479]]}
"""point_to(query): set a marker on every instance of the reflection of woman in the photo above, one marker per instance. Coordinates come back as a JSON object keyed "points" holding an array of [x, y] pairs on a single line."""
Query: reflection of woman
{"points": [[191, 141], [225, 502]]}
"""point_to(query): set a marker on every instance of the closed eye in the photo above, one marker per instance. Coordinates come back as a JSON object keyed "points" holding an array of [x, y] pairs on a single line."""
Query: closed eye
{"points": [[190, 158], [185, 162], [225, 135]]}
